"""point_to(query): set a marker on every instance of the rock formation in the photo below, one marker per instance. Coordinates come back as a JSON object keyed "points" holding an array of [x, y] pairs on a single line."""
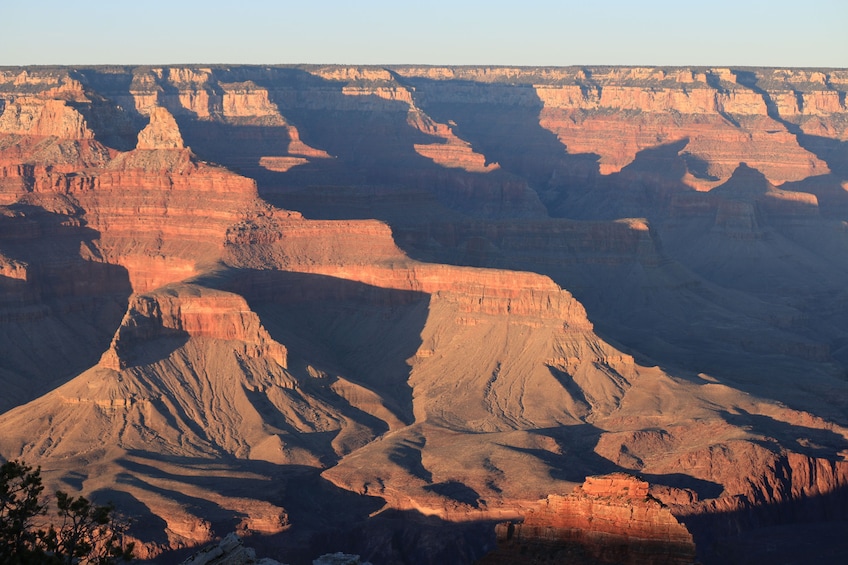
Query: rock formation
{"points": [[161, 133], [376, 311], [229, 551], [609, 519]]}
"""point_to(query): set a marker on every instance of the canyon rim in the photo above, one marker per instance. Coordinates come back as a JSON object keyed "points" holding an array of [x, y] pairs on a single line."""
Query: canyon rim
{"points": [[433, 314]]}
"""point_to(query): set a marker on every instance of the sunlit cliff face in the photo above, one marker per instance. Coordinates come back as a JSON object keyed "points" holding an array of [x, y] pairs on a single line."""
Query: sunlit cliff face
{"points": [[381, 310]]}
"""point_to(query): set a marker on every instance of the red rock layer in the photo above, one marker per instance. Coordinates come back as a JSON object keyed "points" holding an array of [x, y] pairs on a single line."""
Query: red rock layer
{"points": [[485, 362], [192, 312], [725, 117], [43, 118], [159, 212], [610, 519], [365, 252]]}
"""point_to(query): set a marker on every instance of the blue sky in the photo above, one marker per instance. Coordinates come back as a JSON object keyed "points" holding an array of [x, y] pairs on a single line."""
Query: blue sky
{"points": [[493, 32]]}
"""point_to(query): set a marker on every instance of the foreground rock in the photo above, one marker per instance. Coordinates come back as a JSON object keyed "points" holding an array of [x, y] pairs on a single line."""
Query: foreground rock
{"points": [[229, 551], [609, 519], [232, 551]]}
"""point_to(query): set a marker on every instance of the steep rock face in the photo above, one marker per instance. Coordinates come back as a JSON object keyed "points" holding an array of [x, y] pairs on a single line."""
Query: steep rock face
{"points": [[366, 252], [43, 118], [453, 152], [168, 223], [58, 297], [609, 519], [194, 312], [430, 335], [805, 491], [161, 133], [145, 203], [723, 121]]}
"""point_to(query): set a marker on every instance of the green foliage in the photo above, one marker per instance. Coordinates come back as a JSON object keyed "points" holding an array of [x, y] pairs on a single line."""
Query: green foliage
{"points": [[81, 533], [87, 534], [20, 505]]}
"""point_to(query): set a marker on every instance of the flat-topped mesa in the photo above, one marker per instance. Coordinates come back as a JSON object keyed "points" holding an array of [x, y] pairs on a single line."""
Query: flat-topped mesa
{"points": [[354, 74], [561, 75], [194, 312], [610, 519], [248, 100], [616, 485], [365, 251], [682, 89]]}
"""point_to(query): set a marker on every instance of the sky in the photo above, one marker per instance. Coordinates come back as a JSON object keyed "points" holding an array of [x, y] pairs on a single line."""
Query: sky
{"points": [[777, 33]]}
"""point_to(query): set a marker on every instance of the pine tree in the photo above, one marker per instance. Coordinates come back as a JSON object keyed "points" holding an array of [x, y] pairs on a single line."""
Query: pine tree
{"points": [[83, 533]]}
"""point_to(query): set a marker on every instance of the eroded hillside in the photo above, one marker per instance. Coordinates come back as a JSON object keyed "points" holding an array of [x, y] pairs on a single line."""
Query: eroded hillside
{"points": [[379, 310]]}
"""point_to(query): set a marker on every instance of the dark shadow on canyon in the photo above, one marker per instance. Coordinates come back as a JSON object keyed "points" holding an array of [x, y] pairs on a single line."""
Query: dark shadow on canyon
{"points": [[150, 350], [391, 537], [321, 517], [456, 490], [502, 123], [834, 152], [639, 298], [577, 459], [143, 523], [336, 327], [62, 315], [407, 455], [111, 114], [375, 171], [325, 519], [319, 443], [813, 442], [807, 529]]}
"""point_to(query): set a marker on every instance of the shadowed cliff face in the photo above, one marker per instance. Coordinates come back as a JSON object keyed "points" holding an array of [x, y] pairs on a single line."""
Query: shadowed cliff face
{"points": [[380, 310], [58, 298]]}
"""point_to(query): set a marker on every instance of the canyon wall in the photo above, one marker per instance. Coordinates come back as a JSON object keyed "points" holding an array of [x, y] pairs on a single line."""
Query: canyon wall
{"points": [[609, 519], [339, 305]]}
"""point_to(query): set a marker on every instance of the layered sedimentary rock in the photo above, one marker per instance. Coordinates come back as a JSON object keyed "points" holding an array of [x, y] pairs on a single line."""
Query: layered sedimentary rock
{"points": [[377, 310], [609, 519]]}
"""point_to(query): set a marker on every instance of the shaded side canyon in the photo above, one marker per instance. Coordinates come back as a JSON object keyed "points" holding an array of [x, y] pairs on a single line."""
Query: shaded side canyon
{"points": [[381, 310]]}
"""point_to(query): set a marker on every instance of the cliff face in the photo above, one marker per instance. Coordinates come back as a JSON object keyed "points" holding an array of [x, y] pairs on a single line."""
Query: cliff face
{"points": [[609, 519], [232, 295]]}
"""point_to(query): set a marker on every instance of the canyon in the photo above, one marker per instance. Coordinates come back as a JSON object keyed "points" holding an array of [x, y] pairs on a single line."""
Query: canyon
{"points": [[433, 314]]}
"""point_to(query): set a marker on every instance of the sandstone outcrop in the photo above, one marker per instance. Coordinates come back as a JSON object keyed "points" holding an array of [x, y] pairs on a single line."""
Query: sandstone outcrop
{"points": [[194, 312], [161, 133], [609, 519], [43, 118], [319, 302]]}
